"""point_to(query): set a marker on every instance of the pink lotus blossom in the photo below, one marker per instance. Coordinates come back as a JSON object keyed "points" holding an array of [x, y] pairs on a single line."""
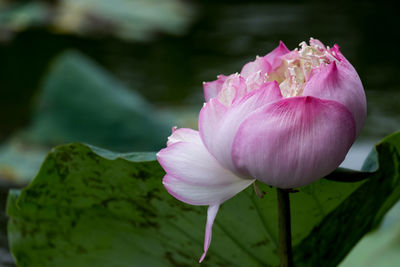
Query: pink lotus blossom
{"points": [[287, 120]]}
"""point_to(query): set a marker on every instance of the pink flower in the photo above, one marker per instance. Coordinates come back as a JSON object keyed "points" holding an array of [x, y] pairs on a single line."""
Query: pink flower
{"points": [[287, 120]]}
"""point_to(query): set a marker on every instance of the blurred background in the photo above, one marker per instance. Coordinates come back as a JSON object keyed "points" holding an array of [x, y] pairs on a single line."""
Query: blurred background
{"points": [[118, 74]]}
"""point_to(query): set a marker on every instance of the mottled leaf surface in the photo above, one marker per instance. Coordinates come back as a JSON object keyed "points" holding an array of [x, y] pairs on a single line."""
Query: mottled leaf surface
{"points": [[92, 207]]}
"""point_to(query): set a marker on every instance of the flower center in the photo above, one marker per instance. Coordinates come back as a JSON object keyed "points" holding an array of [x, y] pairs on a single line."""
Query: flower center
{"points": [[299, 66]]}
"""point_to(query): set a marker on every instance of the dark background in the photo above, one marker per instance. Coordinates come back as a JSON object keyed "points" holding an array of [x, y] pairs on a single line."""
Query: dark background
{"points": [[223, 35]]}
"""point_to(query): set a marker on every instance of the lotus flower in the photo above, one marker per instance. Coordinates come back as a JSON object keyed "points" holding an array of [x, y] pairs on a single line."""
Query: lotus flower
{"points": [[287, 120]]}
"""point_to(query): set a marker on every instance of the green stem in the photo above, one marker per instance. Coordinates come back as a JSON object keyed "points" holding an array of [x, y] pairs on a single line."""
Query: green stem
{"points": [[285, 233]]}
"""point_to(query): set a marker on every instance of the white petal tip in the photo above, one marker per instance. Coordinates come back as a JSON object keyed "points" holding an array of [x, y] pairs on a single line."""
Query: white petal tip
{"points": [[202, 257]]}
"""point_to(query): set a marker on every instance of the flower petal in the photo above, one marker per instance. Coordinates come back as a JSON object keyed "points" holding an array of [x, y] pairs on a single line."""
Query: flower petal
{"points": [[274, 57], [210, 117], [211, 89], [211, 213], [317, 43], [218, 125], [266, 63], [255, 81], [294, 141], [183, 135], [195, 177], [340, 82], [233, 89], [203, 194], [259, 64]]}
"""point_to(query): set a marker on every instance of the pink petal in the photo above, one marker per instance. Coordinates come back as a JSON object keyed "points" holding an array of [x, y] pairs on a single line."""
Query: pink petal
{"points": [[183, 135], [259, 64], [266, 63], [211, 213], [233, 89], [340, 82], [317, 43], [203, 194], [255, 81], [274, 57], [211, 89], [335, 50], [218, 125], [294, 141], [195, 177], [210, 117]]}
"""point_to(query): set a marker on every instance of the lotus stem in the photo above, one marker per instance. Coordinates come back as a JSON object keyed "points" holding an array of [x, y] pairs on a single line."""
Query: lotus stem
{"points": [[285, 233]]}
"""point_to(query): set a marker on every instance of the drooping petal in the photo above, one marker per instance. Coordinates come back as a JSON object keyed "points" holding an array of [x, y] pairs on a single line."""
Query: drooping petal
{"points": [[294, 141], [211, 89], [340, 82], [218, 125], [211, 213], [195, 177]]}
